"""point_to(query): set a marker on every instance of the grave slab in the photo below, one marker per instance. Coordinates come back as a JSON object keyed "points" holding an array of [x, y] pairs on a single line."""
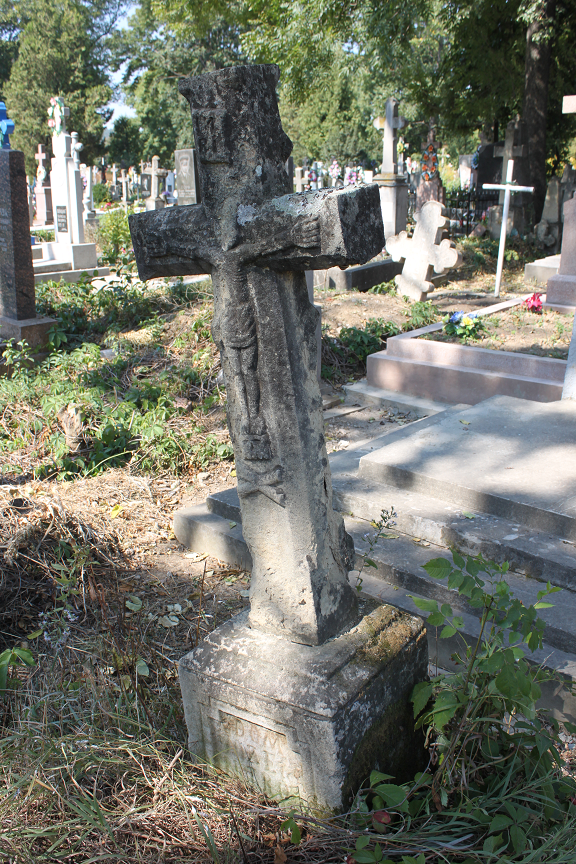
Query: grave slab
{"points": [[516, 459], [307, 720]]}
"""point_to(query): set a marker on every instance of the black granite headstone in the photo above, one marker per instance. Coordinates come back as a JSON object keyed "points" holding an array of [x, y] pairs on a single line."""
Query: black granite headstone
{"points": [[62, 219], [17, 296]]}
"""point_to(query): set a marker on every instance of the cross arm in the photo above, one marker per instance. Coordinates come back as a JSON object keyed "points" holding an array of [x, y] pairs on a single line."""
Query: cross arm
{"points": [[350, 229], [175, 241]]}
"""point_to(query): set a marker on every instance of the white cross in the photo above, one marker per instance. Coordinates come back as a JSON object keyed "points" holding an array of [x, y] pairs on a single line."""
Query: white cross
{"points": [[509, 187], [509, 151], [569, 389]]}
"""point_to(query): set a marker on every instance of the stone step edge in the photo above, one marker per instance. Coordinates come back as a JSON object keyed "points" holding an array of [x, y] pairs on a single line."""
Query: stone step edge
{"points": [[382, 357], [205, 532], [398, 562], [496, 538], [551, 559]]}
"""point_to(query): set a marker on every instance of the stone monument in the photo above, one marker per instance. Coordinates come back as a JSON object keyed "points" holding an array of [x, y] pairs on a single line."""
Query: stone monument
{"points": [[515, 148], [393, 187], [43, 192], [561, 288], [424, 253], [156, 201], [430, 187], [67, 197], [17, 296], [187, 183], [295, 692]]}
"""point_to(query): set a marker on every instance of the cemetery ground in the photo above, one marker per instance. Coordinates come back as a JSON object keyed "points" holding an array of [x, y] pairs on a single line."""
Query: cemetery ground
{"points": [[101, 600]]}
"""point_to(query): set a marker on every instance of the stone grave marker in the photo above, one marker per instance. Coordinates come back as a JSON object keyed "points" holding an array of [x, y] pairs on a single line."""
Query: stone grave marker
{"points": [[430, 187], [515, 148], [282, 693], [393, 187], [17, 295], [561, 288], [423, 254], [43, 192], [187, 184], [156, 201]]}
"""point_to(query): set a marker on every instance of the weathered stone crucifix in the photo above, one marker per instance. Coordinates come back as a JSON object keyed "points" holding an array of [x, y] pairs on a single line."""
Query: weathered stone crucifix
{"points": [[257, 240]]}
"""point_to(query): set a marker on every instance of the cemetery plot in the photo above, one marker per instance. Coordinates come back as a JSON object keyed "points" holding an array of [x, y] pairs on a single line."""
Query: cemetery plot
{"points": [[517, 329]]}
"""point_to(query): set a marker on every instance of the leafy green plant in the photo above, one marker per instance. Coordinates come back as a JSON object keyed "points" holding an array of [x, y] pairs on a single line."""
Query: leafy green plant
{"points": [[420, 314], [9, 659], [383, 288], [382, 525], [114, 233], [496, 791], [100, 194], [362, 342]]}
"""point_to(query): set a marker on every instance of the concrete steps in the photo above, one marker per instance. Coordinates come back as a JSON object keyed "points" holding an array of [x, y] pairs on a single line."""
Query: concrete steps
{"points": [[497, 478], [50, 265]]}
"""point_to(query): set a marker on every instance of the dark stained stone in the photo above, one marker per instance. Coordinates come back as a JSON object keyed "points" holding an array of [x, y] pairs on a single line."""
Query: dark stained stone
{"points": [[17, 295]]}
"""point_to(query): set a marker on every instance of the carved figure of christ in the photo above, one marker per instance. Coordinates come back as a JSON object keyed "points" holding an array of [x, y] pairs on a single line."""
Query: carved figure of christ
{"points": [[257, 240]]}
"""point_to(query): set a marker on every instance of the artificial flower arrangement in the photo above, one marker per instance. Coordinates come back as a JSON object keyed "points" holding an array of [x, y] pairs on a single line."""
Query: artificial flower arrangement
{"points": [[463, 324], [534, 303]]}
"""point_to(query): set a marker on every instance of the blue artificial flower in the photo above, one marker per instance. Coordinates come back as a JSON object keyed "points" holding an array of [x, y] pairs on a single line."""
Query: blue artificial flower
{"points": [[455, 317]]}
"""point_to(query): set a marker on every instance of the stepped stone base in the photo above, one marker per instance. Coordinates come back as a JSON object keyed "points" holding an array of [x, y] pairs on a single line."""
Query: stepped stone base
{"points": [[497, 479], [541, 270], [308, 722], [561, 294]]}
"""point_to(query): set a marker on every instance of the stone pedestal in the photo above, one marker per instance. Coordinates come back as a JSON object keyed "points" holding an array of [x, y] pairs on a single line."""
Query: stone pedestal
{"points": [[44, 214], [561, 288], [306, 722], [33, 330], [393, 190]]}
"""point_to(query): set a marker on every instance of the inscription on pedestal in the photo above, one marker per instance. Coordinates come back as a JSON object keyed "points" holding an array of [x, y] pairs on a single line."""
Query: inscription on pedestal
{"points": [[62, 219]]}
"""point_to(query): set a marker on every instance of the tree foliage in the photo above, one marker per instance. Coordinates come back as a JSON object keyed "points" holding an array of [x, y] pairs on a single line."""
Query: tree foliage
{"points": [[59, 51]]}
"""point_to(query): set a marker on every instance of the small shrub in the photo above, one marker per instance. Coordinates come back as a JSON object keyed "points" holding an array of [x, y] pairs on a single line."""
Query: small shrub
{"points": [[114, 233], [100, 194]]}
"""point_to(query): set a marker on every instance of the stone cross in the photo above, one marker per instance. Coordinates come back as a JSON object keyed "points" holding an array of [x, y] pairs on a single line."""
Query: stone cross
{"points": [[124, 184], [390, 144], [114, 175], [41, 173], [509, 188], [424, 253], [6, 128], [257, 238], [299, 179]]}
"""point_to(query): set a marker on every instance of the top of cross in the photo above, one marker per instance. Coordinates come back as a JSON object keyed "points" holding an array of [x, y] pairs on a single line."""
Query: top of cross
{"points": [[6, 128], [392, 123]]}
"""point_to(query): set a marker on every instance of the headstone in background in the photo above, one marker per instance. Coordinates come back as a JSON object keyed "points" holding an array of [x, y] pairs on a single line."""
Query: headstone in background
{"points": [[17, 295], [170, 187], [124, 187], [465, 170], [299, 179], [548, 230], [146, 184], [69, 251], [284, 693], [489, 166], [42, 191], [156, 201], [187, 184], [393, 187], [88, 201], [430, 187], [423, 254]]}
